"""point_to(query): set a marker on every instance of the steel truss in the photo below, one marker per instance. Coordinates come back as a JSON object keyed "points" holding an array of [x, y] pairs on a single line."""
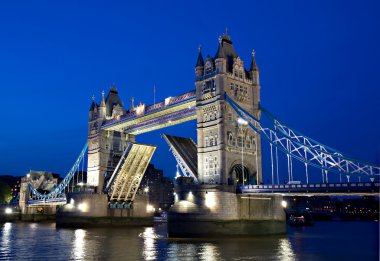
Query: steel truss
{"points": [[300, 147]]}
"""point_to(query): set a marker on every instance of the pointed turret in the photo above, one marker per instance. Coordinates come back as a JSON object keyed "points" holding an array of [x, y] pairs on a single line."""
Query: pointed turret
{"points": [[93, 104], [200, 64], [113, 100], [219, 53], [253, 63], [102, 102]]}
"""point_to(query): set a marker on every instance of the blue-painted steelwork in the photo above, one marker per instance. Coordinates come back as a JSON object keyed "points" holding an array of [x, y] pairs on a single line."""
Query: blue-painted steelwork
{"points": [[304, 149], [325, 188], [58, 193]]}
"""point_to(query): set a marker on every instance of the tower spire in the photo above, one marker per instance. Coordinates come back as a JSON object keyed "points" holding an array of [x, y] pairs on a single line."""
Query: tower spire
{"points": [[93, 105], [103, 102], [200, 62], [253, 62]]}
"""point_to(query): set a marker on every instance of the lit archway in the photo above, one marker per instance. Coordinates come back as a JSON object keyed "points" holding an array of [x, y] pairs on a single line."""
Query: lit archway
{"points": [[239, 172]]}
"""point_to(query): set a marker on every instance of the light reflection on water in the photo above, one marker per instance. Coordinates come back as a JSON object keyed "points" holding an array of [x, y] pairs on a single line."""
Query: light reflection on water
{"points": [[79, 244], [326, 241]]}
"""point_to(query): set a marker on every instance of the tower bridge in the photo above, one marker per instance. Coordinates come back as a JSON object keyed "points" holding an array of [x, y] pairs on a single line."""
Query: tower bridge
{"points": [[225, 162]]}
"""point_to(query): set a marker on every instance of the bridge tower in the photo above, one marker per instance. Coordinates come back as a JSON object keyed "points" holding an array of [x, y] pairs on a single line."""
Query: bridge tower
{"points": [[105, 147], [227, 149]]}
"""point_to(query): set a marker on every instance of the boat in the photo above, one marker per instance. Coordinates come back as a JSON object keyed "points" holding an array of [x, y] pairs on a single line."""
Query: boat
{"points": [[300, 221], [161, 218]]}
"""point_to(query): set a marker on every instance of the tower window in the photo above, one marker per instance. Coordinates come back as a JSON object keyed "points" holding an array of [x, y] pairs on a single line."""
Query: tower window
{"points": [[211, 141]]}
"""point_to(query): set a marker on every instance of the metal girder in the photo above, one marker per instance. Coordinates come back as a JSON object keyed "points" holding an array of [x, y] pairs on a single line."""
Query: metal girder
{"points": [[128, 179], [303, 148], [141, 119]]}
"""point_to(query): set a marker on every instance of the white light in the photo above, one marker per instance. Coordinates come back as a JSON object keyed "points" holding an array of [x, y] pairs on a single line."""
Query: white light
{"points": [[190, 197], [28, 175], [146, 189], [241, 121], [210, 201], [81, 184], [8, 211], [284, 204], [72, 201], [149, 208], [82, 207]]}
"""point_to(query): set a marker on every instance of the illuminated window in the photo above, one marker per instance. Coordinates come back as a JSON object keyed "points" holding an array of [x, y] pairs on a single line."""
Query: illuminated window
{"points": [[239, 141]]}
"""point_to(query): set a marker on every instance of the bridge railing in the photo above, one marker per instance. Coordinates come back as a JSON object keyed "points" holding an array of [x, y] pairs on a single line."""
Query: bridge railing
{"points": [[153, 108], [319, 187]]}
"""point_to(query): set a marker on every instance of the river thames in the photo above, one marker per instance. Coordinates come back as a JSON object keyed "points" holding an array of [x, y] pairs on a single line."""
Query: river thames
{"points": [[324, 241]]}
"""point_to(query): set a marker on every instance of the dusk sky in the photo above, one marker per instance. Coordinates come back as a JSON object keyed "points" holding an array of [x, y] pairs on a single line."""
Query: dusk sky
{"points": [[318, 60]]}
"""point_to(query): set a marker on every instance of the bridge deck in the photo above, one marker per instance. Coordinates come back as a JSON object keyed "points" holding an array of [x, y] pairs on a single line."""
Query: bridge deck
{"points": [[360, 188], [185, 151], [129, 177], [173, 110]]}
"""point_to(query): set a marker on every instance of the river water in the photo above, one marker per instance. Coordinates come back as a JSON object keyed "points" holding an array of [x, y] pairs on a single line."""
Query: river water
{"points": [[324, 241]]}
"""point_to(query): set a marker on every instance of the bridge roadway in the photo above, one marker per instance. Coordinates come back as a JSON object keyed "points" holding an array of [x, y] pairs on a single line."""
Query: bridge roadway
{"points": [[322, 189], [171, 111]]}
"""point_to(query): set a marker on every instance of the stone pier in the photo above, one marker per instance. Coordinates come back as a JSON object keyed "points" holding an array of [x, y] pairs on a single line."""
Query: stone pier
{"points": [[212, 210], [91, 210]]}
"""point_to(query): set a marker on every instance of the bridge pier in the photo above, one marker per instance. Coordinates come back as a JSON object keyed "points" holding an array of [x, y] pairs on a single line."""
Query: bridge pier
{"points": [[216, 210], [91, 210]]}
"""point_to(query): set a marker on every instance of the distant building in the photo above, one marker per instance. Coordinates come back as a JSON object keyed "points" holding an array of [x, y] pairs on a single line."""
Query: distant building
{"points": [[159, 188], [13, 182]]}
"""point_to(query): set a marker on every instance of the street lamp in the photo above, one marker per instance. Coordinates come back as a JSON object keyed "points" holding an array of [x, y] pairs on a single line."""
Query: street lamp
{"points": [[242, 122]]}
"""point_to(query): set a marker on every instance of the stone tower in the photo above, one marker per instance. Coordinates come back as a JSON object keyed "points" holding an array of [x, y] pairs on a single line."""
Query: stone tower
{"points": [[226, 149], [104, 147]]}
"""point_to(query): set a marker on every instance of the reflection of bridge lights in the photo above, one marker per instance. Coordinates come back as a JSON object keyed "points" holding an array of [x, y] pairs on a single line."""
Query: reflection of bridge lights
{"points": [[79, 244], [285, 251], [149, 244], [284, 204], [6, 237], [209, 252], [8, 211]]}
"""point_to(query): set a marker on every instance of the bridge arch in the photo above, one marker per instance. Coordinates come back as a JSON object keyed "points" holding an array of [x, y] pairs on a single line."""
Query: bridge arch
{"points": [[238, 172]]}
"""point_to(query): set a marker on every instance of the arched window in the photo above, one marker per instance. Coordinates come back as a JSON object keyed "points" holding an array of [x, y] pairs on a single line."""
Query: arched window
{"points": [[230, 138], [211, 141]]}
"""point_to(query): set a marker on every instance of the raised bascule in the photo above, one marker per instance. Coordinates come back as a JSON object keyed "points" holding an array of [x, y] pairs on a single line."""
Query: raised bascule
{"points": [[221, 191]]}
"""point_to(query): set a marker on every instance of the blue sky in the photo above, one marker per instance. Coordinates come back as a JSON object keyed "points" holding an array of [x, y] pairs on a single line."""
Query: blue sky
{"points": [[318, 60]]}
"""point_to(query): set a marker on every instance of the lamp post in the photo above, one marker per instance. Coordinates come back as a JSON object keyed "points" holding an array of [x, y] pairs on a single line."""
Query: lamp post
{"points": [[242, 122]]}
